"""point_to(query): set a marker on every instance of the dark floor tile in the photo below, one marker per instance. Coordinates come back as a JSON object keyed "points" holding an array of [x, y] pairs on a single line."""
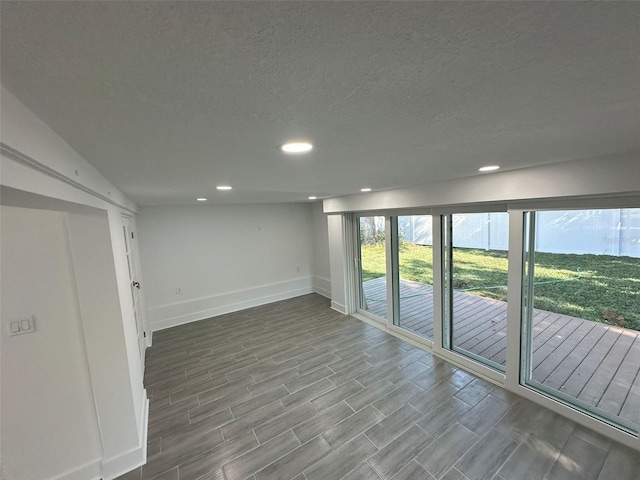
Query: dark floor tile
{"points": [[322, 422], [486, 456], [447, 449], [413, 471], [392, 458], [260, 457], [343, 460], [362, 472], [297, 461], [352, 426], [578, 460], [337, 394], [289, 419], [393, 425], [481, 418]]}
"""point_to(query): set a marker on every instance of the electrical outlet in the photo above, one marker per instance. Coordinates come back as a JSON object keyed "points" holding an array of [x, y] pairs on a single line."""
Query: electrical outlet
{"points": [[178, 291]]}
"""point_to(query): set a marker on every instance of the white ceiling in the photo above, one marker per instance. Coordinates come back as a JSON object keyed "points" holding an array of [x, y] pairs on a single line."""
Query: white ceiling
{"points": [[168, 100]]}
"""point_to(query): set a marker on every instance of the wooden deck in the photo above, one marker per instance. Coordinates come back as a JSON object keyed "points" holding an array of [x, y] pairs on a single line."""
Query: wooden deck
{"points": [[595, 363]]}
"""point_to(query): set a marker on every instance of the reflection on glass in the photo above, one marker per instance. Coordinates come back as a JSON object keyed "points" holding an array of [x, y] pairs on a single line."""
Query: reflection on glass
{"points": [[476, 285], [582, 310], [373, 265], [415, 267]]}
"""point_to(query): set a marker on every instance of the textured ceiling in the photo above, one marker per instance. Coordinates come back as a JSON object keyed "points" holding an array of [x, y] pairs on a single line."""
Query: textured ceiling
{"points": [[168, 100]]}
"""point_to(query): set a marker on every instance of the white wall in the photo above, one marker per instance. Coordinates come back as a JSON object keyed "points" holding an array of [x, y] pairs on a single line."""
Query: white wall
{"points": [[39, 168], [321, 261], [49, 423], [612, 175], [223, 258]]}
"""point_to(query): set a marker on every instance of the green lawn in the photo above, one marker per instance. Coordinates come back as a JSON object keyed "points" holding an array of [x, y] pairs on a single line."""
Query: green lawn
{"points": [[602, 288]]}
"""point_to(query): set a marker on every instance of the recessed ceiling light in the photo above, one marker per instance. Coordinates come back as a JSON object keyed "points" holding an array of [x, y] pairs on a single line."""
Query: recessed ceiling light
{"points": [[201, 199], [489, 168], [366, 189], [313, 198], [224, 187], [296, 147]]}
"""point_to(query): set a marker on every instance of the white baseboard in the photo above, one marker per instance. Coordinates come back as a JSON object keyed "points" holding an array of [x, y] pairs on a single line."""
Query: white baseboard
{"points": [[322, 286], [127, 461], [89, 471], [172, 315], [339, 307]]}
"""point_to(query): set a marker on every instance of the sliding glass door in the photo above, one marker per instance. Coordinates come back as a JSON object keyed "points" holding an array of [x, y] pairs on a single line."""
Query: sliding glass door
{"points": [[412, 252], [581, 313], [475, 266], [372, 265]]}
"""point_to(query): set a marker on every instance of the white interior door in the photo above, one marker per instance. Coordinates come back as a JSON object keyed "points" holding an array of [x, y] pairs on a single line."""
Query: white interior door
{"points": [[129, 236]]}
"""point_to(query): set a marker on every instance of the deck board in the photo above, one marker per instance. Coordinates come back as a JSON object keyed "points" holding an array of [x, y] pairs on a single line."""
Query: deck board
{"points": [[596, 363]]}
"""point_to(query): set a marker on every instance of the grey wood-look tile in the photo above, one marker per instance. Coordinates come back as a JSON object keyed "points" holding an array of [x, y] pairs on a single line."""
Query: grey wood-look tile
{"points": [[622, 463], [296, 352], [159, 414], [315, 358], [337, 394], [443, 416], [343, 460], [362, 472], [225, 390], [350, 373], [232, 398], [578, 460], [530, 461], [370, 394], [250, 404], [376, 375], [307, 393], [322, 422], [153, 447], [474, 392], [289, 419], [273, 382], [308, 379], [393, 425], [593, 438], [447, 449], [169, 423], [246, 424], [352, 426], [274, 365], [434, 396], [390, 459], [483, 416], [406, 373], [296, 461], [396, 398], [484, 459], [217, 474], [460, 378], [192, 437], [429, 377], [260, 457], [413, 471], [455, 474]]}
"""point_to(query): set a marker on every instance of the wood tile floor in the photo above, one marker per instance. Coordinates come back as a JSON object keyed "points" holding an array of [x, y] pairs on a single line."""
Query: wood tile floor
{"points": [[295, 390]]}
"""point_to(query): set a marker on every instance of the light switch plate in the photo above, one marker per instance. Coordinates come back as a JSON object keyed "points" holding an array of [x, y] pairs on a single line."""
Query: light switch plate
{"points": [[24, 325]]}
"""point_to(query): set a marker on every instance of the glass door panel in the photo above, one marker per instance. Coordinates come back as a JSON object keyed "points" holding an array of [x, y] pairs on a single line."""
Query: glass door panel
{"points": [[372, 260], [475, 285], [582, 311], [415, 275]]}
